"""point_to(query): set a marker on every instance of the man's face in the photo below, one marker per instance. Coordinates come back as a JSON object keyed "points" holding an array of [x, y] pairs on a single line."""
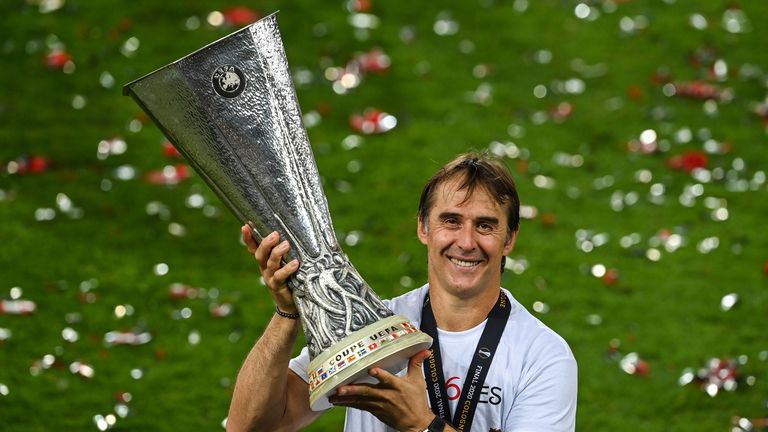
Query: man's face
{"points": [[466, 240]]}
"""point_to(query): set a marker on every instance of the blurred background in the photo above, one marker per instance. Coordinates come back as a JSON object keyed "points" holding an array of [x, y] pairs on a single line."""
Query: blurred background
{"points": [[636, 131]]}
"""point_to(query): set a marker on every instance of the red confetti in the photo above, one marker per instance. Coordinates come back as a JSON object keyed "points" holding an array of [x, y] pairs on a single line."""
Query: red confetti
{"points": [[701, 90], [372, 121], [57, 59], [241, 15], [360, 5], [610, 277], [170, 175], [718, 374], [375, 61], [642, 368], [689, 161], [170, 151], [37, 164], [27, 165]]}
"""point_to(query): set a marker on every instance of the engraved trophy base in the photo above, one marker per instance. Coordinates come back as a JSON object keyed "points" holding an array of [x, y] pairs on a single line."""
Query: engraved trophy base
{"points": [[387, 343]]}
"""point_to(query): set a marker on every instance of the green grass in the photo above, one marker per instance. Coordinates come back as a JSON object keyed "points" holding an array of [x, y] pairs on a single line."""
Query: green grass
{"points": [[666, 311]]}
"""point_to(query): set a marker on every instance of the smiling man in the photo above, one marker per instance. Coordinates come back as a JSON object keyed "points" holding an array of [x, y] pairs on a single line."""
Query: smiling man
{"points": [[492, 366]]}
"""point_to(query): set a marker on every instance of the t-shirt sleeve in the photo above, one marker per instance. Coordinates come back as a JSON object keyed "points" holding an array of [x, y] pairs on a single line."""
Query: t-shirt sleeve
{"points": [[300, 363], [547, 399]]}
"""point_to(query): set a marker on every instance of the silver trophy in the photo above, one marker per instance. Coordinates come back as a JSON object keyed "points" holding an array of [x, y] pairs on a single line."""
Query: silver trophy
{"points": [[230, 108]]}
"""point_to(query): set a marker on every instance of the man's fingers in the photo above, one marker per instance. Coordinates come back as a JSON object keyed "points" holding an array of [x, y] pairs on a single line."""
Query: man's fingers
{"points": [[415, 363], [282, 274], [276, 256], [248, 239], [264, 249], [383, 376], [357, 402], [354, 391]]}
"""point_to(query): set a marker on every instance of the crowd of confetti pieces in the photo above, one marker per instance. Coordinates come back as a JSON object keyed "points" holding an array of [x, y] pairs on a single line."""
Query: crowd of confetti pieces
{"points": [[682, 163]]}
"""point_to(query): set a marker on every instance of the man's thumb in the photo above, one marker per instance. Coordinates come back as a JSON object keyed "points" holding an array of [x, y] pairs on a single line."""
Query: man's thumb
{"points": [[414, 364]]}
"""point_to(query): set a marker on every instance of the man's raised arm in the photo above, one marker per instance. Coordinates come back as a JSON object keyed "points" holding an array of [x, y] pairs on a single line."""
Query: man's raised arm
{"points": [[268, 395]]}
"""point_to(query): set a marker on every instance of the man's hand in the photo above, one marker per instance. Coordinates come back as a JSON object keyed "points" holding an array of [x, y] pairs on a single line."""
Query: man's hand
{"points": [[269, 255], [400, 402]]}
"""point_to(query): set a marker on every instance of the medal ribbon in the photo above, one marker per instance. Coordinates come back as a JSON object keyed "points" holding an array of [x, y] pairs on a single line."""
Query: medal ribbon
{"points": [[478, 369]]}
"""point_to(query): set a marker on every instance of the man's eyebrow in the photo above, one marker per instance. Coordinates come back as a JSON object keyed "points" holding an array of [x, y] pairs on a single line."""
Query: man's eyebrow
{"points": [[449, 215], [488, 219], [482, 219]]}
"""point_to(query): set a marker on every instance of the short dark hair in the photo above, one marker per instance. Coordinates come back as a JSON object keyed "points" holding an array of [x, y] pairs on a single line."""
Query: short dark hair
{"points": [[476, 170]]}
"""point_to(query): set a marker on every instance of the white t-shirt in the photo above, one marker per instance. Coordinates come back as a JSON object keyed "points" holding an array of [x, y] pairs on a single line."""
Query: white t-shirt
{"points": [[531, 384]]}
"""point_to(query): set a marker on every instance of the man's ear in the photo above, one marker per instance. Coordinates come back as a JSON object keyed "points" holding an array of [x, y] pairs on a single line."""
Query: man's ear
{"points": [[421, 231], [511, 242]]}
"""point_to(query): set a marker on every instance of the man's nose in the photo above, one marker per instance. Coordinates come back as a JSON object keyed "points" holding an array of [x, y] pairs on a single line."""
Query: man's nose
{"points": [[466, 237]]}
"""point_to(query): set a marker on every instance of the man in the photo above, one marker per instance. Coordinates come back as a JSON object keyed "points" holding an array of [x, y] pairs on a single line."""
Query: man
{"points": [[492, 367]]}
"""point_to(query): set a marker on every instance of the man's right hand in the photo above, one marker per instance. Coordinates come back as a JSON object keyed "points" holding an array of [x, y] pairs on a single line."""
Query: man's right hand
{"points": [[269, 254]]}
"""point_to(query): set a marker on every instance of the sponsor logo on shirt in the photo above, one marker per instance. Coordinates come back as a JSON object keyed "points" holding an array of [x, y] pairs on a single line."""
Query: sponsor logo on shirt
{"points": [[489, 394]]}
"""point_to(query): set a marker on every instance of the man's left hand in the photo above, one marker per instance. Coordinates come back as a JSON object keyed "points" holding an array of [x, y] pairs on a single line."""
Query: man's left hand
{"points": [[400, 402]]}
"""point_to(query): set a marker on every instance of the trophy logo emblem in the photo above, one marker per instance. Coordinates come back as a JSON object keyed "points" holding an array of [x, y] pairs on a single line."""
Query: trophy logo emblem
{"points": [[228, 81]]}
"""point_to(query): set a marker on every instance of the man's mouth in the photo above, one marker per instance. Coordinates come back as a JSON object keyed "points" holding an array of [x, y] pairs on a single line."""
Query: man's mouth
{"points": [[464, 263]]}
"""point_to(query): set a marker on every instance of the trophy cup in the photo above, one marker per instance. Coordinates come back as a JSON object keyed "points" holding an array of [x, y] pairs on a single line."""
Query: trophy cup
{"points": [[231, 110]]}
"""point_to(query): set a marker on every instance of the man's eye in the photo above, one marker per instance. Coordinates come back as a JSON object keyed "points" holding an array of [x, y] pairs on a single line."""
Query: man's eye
{"points": [[484, 227]]}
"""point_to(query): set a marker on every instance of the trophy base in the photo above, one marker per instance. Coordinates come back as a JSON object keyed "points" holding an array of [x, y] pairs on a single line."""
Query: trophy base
{"points": [[387, 343]]}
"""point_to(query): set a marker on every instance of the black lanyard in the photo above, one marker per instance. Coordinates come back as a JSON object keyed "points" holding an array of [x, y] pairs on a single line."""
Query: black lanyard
{"points": [[478, 369]]}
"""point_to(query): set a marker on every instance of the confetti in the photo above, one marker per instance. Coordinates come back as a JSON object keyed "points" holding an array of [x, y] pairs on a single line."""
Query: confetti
{"points": [[240, 16], [221, 310], [127, 338], [649, 165], [718, 375], [372, 121], [82, 369], [26, 164], [634, 365], [689, 161], [59, 59], [169, 175], [17, 307]]}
